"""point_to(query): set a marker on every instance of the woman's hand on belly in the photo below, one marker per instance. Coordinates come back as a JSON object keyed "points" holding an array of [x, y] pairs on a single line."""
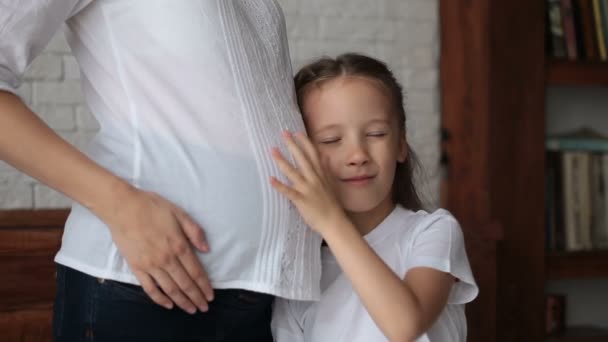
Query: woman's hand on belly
{"points": [[155, 237]]}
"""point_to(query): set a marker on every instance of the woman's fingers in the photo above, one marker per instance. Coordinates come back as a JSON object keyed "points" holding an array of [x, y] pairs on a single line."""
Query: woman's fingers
{"points": [[152, 290], [194, 232], [157, 239], [194, 282], [172, 290]]}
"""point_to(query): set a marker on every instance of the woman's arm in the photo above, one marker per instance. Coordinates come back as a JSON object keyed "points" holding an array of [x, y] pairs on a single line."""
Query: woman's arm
{"points": [[403, 309], [151, 233]]}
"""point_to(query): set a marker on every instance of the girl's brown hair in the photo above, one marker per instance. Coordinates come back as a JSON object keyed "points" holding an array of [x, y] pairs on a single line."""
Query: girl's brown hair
{"points": [[351, 64]]}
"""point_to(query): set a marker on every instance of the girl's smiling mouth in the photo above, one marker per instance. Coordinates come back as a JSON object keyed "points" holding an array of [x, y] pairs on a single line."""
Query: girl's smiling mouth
{"points": [[358, 180]]}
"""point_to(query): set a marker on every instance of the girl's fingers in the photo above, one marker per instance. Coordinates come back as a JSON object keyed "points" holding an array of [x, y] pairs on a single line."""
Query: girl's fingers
{"points": [[310, 150], [302, 161], [287, 169], [287, 191]]}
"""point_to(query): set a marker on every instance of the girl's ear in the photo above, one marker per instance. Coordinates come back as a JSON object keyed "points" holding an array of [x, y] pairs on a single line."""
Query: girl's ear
{"points": [[403, 151]]}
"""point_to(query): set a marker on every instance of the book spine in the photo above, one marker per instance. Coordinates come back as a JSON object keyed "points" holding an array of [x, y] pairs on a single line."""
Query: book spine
{"points": [[578, 30], [556, 29], [588, 29], [604, 6], [601, 229], [572, 211], [599, 29], [584, 199], [599, 218], [569, 32]]}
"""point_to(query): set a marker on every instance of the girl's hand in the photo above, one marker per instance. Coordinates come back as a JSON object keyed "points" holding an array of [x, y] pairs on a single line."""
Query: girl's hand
{"points": [[311, 188], [156, 237]]}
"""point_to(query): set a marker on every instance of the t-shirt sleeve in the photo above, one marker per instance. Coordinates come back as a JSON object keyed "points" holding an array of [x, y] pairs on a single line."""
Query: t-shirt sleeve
{"points": [[439, 244], [286, 322], [26, 27]]}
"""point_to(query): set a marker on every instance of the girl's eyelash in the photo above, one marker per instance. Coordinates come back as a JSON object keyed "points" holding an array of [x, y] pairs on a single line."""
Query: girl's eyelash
{"points": [[329, 141], [376, 134]]}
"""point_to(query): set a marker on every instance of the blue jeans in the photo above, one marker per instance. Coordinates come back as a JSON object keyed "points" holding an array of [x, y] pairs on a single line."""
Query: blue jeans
{"points": [[90, 309]]}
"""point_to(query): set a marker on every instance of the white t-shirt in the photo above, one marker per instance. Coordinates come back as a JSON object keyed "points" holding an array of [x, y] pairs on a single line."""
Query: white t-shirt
{"points": [[404, 240], [190, 95]]}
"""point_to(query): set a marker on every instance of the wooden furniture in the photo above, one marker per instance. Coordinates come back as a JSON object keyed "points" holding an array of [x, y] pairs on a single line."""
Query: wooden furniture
{"points": [[493, 75], [28, 243]]}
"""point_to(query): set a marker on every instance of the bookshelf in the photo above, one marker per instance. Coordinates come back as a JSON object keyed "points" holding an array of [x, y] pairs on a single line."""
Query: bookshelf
{"points": [[566, 73], [577, 265], [494, 79], [573, 273]]}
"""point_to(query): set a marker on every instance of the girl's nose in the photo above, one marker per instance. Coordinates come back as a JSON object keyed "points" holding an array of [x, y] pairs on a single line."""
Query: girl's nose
{"points": [[358, 155]]}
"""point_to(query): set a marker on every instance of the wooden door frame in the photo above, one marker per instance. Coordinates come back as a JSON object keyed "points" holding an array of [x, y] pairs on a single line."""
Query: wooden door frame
{"points": [[492, 97]]}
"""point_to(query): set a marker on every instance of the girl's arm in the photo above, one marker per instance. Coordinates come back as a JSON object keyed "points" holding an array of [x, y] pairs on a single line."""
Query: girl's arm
{"points": [[403, 309]]}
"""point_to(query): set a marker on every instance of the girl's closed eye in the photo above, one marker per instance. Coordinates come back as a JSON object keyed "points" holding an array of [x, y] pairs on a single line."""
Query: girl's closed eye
{"points": [[329, 140], [377, 134]]}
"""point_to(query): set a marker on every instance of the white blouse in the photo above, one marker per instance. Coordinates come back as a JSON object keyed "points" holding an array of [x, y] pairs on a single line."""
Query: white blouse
{"points": [[190, 96], [404, 240]]}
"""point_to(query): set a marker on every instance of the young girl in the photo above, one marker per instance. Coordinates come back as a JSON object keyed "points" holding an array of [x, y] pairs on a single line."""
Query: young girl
{"points": [[390, 270]]}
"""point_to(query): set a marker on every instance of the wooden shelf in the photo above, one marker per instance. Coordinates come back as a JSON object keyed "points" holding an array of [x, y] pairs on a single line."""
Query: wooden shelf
{"points": [[580, 334], [33, 218], [588, 264], [569, 73]]}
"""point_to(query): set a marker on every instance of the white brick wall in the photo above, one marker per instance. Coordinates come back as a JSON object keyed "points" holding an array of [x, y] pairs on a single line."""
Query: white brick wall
{"points": [[403, 33]]}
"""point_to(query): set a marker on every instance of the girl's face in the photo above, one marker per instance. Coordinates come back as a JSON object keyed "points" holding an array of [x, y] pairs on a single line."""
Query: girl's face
{"points": [[351, 122]]}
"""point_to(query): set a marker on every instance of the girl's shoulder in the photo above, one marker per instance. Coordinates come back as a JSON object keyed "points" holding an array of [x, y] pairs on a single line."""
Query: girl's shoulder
{"points": [[415, 222], [422, 220], [404, 227]]}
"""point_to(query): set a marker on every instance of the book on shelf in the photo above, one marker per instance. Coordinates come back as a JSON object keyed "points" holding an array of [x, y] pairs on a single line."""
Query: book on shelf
{"points": [[557, 44], [577, 29], [600, 21], [555, 314], [576, 205], [569, 30], [582, 139], [599, 217]]}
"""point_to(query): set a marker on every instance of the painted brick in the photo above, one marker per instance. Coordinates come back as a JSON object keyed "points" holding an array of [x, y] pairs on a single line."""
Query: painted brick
{"points": [[44, 67], [57, 116], [16, 196], [85, 120], [47, 198], [71, 71], [66, 92]]}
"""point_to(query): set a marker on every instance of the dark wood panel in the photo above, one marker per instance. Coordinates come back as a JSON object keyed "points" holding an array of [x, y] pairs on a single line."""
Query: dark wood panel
{"points": [[33, 218], [465, 101], [577, 73], [587, 264], [26, 326], [516, 165], [29, 241], [28, 270]]}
